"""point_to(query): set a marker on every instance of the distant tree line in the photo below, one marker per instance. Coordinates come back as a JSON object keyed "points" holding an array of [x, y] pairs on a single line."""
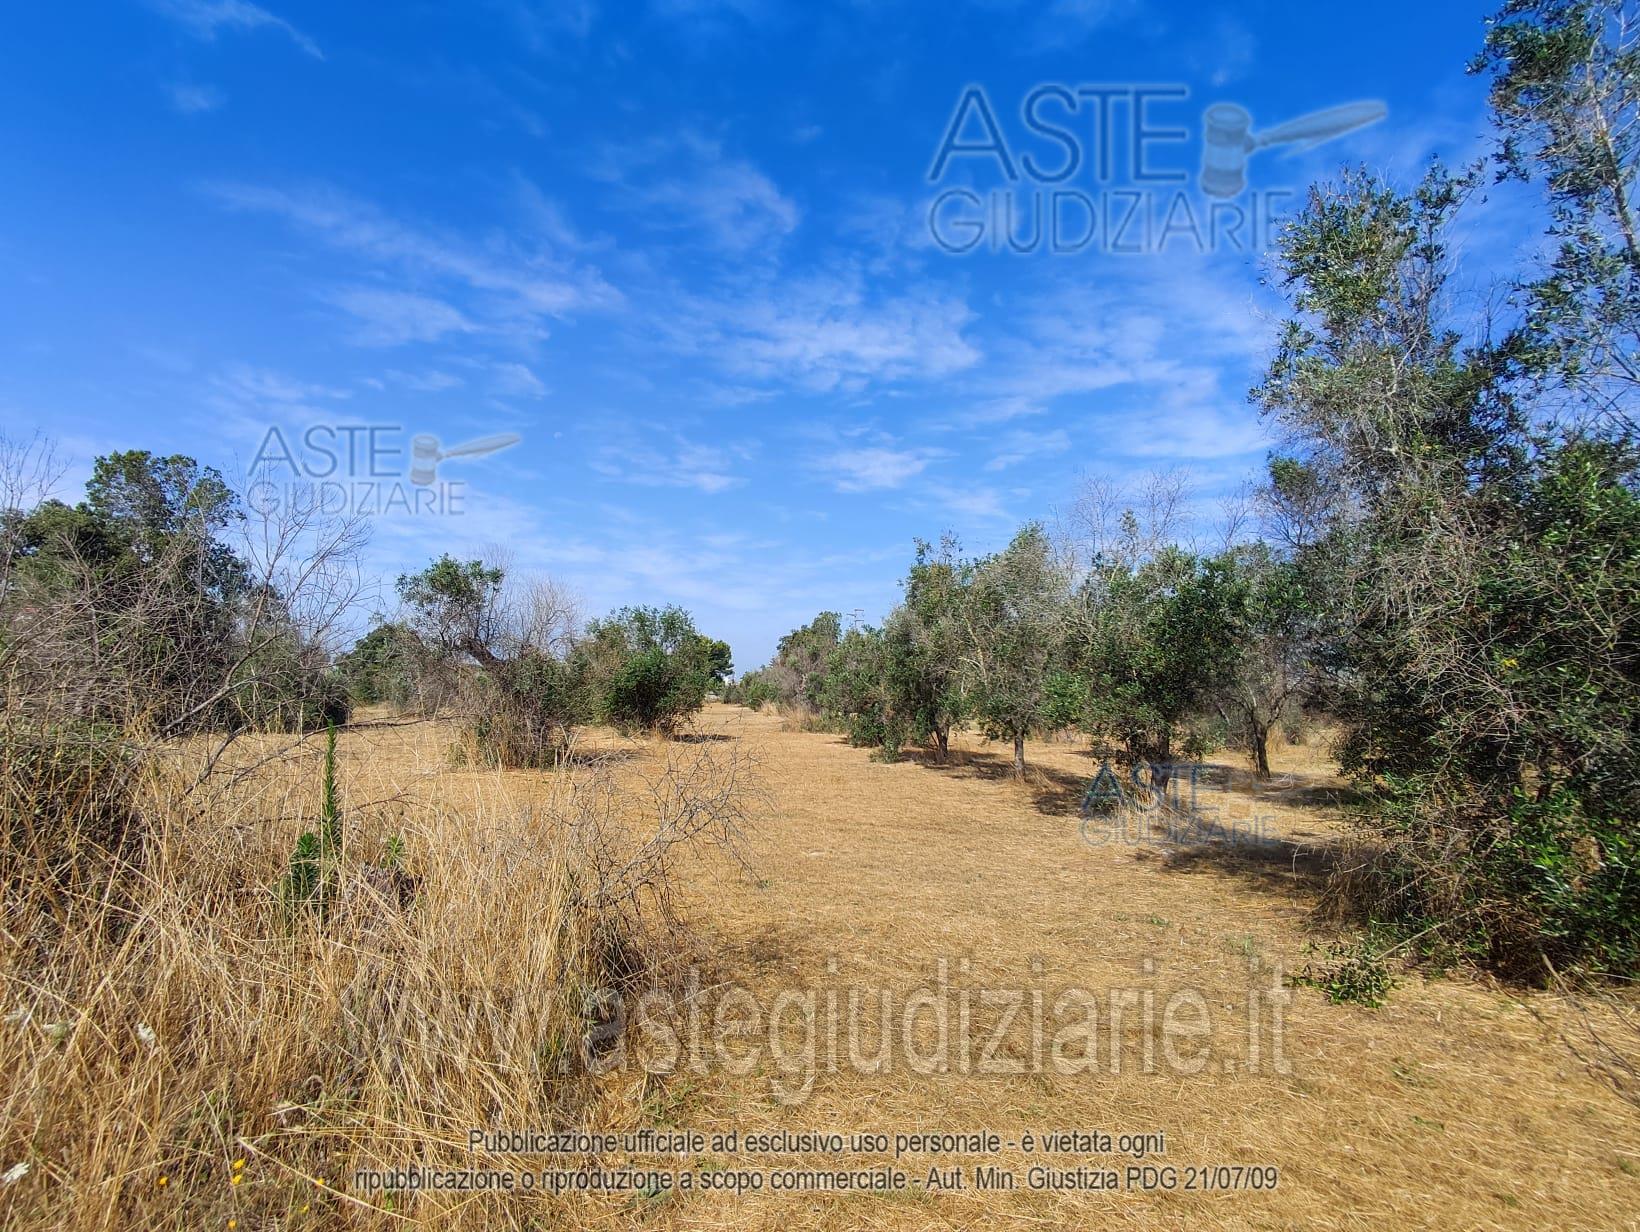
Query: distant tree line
{"points": [[516, 665], [1153, 651]]}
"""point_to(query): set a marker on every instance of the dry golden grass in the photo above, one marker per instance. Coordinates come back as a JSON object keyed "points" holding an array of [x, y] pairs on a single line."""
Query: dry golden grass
{"points": [[1451, 1107], [356, 1045], [181, 1055]]}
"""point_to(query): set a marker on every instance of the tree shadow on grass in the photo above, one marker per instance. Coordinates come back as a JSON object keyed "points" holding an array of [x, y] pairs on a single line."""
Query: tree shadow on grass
{"points": [[1054, 792], [1283, 866], [579, 758], [1292, 866]]}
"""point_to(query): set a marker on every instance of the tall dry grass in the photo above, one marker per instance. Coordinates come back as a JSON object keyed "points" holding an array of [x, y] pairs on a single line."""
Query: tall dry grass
{"points": [[176, 1052]]}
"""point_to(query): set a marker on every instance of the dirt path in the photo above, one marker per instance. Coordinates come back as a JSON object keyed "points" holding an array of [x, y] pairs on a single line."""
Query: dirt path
{"points": [[1452, 1106]]}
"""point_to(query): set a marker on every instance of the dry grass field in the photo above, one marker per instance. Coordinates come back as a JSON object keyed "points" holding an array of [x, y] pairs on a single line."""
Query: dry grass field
{"points": [[1452, 1106], [157, 1083]]}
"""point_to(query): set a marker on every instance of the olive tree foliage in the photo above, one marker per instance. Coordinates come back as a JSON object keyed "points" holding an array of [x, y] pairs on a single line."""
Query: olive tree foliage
{"points": [[855, 690], [1147, 637], [924, 644], [885, 686], [512, 655], [388, 666], [1266, 635], [795, 675], [1485, 566], [1565, 93], [1012, 622], [455, 607], [649, 668]]}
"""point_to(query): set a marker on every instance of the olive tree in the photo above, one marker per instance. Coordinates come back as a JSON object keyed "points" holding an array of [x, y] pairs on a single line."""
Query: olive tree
{"points": [[1012, 620]]}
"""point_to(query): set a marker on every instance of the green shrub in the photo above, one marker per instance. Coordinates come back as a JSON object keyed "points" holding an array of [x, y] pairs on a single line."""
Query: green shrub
{"points": [[649, 668], [1353, 973], [754, 691], [653, 691]]}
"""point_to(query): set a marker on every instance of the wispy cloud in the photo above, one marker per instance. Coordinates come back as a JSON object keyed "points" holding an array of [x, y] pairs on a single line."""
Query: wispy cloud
{"points": [[514, 380], [830, 331], [659, 460], [194, 100], [430, 381], [874, 468], [687, 182], [507, 286], [249, 383], [205, 19], [1229, 48], [970, 501], [541, 22], [1060, 24], [1166, 357], [1018, 446], [394, 318], [244, 400]]}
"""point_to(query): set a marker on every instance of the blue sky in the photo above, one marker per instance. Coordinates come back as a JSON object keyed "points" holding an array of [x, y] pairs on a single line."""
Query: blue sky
{"points": [[681, 247]]}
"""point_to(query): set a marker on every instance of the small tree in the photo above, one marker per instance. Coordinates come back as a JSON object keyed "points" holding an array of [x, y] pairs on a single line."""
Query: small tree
{"points": [[1487, 687], [853, 691], [1269, 641], [455, 607], [651, 668], [799, 664], [1150, 638], [1565, 92], [382, 666], [505, 656], [1013, 628], [924, 647]]}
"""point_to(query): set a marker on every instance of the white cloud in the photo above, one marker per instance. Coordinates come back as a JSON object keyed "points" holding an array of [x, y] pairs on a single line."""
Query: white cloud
{"points": [[194, 100], [1230, 50], [971, 501], [1021, 446], [431, 381], [513, 380], [1060, 23], [674, 463], [205, 19], [830, 332], [510, 290], [541, 21], [686, 182], [394, 318], [246, 383], [874, 468], [1151, 365]]}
